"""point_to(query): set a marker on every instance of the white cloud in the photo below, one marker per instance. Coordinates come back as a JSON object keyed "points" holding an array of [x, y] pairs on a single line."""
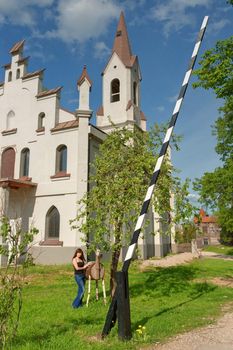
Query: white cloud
{"points": [[101, 50], [22, 13], [219, 25], [80, 20], [160, 108], [172, 99], [175, 14]]}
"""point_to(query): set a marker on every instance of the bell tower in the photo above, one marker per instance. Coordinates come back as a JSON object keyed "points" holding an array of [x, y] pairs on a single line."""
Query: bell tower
{"points": [[121, 86]]}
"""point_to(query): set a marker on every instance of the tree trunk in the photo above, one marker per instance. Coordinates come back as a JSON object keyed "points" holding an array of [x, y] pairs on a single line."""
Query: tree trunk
{"points": [[113, 269], [115, 260]]}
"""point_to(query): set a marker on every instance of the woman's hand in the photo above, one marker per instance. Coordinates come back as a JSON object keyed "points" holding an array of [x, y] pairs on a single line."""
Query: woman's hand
{"points": [[87, 265]]}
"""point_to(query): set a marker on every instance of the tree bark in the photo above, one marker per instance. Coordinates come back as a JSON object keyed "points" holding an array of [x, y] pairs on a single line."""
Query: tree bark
{"points": [[114, 262]]}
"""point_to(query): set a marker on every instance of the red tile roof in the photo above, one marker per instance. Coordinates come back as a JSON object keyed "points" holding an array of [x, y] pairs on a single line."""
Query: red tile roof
{"points": [[7, 65], [33, 74], [100, 111], [84, 76], [49, 92], [121, 43], [129, 105], [66, 125], [142, 115], [17, 47], [23, 60], [205, 218]]}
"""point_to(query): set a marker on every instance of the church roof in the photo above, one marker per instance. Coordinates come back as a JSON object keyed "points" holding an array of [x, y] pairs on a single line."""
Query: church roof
{"points": [[33, 74], [17, 47], [121, 43], [142, 115], [66, 125], [100, 111], [23, 60], [49, 92], [83, 76]]}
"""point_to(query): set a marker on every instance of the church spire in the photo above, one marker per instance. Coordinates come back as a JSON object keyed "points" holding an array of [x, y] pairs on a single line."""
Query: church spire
{"points": [[121, 43]]}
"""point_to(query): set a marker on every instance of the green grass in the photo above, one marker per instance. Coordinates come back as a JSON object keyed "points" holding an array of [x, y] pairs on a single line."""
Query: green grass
{"points": [[221, 249], [166, 301]]}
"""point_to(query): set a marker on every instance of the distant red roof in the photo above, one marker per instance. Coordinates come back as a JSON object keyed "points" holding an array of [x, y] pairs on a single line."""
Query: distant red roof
{"points": [[205, 218]]}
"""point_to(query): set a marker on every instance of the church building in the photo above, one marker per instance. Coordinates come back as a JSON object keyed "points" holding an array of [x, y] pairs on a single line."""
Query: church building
{"points": [[46, 150]]}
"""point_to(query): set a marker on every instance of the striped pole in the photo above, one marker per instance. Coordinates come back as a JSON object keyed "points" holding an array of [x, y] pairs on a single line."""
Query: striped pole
{"points": [[111, 316]]}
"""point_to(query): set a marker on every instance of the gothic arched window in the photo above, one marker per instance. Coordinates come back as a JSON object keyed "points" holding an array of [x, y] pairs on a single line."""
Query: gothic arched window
{"points": [[18, 73], [10, 76], [10, 122], [135, 93], [41, 121], [115, 90], [8, 163], [24, 162], [61, 158], [52, 224]]}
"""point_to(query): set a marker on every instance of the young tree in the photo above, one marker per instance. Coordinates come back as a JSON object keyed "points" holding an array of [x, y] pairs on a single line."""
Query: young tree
{"points": [[15, 246], [216, 188], [121, 174]]}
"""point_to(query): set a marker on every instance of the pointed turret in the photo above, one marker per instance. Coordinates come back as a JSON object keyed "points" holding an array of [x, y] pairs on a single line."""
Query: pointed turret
{"points": [[121, 43], [84, 86], [121, 85], [84, 76]]}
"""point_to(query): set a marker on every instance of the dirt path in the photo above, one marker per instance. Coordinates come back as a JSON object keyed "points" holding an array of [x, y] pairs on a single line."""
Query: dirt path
{"points": [[217, 336]]}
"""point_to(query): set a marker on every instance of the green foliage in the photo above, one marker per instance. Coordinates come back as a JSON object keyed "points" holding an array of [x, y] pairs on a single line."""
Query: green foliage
{"points": [[166, 301], [121, 174], [216, 188], [186, 233], [220, 249], [14, 248]]}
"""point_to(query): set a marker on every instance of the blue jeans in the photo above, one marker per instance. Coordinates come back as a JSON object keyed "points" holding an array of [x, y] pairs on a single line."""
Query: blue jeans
{"points": [[80, 280]]}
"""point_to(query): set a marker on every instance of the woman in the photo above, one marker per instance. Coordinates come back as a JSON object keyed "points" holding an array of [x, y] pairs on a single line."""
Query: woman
{"points": [[79, 275]]}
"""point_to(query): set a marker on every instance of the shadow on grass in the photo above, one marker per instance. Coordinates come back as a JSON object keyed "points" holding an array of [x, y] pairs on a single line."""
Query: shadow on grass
{"points": [[163, 281], [197, 290]]}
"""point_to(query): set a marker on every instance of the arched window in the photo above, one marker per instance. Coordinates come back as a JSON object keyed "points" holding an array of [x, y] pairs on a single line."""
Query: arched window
{"points": [[52, 224], [135, 93], [41, 121], [61, 158], [10, 122], [18, 73], [24, 162], [10, 76], [115, 90], [8, 163]]}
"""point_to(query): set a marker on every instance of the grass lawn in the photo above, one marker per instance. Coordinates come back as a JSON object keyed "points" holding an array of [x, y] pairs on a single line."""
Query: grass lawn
{"points": [[165, 301], [221, 249]]}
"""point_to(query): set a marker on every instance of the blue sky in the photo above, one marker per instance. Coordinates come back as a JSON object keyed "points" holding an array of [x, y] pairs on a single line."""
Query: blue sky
{"points": [[63, 35]]}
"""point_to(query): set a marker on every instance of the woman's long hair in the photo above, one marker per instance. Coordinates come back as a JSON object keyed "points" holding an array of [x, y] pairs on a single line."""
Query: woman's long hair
{"points": [[79, 250]]}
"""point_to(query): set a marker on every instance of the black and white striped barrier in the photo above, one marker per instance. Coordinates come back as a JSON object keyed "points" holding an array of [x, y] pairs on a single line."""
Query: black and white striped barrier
{"points": [[111, 316]]}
